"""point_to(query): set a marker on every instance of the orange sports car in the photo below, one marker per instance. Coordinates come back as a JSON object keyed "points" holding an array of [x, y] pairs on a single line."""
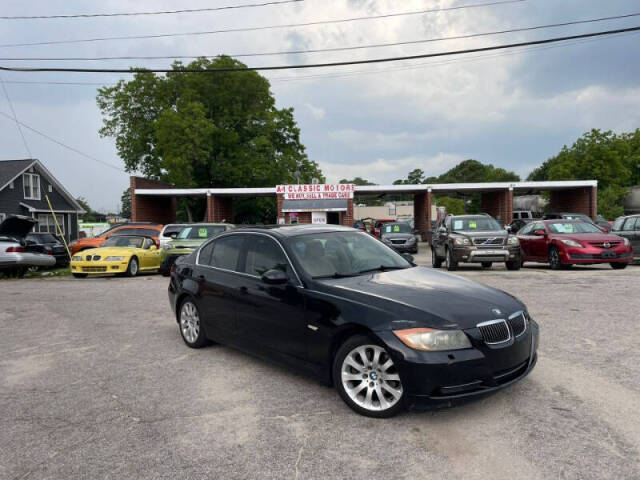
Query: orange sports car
{"points": [[146, 229]]}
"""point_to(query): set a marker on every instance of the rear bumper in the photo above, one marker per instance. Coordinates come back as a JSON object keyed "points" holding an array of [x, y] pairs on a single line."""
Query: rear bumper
{"points": [[434, 380], [26, 259]]}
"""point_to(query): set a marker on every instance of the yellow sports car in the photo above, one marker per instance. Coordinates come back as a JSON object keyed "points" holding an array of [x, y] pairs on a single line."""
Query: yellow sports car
{"points": [[123, 254]]}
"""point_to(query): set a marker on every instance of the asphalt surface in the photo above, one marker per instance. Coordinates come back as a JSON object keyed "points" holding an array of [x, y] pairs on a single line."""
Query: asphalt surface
{"points": [[95, 382]]}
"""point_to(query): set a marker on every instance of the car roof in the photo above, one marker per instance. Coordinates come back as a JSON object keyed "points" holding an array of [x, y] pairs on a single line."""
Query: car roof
{"points": [[474, 215], [295, 230]]}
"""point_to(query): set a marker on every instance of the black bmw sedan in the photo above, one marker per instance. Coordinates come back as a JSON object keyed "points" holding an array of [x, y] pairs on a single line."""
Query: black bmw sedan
{"points": [[349, 310]]}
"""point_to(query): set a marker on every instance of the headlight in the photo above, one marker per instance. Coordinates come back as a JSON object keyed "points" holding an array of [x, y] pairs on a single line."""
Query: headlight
{"points": [[625, 241], [77, 258], [432, 340], [114, 259], [411, 240], [513, 241], [386, 240], [572, 243], [461, 241], [167, 246]]}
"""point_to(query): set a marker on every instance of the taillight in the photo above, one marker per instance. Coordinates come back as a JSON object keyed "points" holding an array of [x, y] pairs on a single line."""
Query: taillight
{"points": [[15, 249], [173, 267]]}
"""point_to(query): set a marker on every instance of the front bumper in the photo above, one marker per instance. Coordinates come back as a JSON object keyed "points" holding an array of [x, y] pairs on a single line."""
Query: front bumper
{"points": [[478, 255], [443, 379], [26, 259], [100, 267], [404, 247], [590, 255]]}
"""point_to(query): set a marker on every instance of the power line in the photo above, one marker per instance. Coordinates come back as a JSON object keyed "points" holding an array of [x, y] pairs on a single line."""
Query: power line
{"points": [[160, 12], [86, 155], [27, 82], [334, 49], [267, 27], [15, 117], [328, 64]]}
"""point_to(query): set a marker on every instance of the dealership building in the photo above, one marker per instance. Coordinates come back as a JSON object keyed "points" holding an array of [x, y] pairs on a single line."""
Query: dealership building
{"points": [[152, 200]]}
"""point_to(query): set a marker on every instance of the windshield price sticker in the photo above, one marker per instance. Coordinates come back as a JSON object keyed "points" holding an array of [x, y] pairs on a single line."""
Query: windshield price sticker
{"points": [[202, 233]]}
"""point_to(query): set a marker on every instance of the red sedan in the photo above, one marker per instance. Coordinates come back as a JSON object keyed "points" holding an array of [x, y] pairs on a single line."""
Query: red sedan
{"points": [[562, 243]]}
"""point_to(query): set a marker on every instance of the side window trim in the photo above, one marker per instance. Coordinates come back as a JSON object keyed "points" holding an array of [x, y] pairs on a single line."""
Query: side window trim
{"points": [[242, 259]]}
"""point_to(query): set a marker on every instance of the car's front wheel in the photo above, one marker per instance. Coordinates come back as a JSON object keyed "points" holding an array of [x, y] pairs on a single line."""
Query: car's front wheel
{"points": [[190, 325], [449, 262], [367, 379], [435, 260], [618, 266], [554, 259], [132, 269]]}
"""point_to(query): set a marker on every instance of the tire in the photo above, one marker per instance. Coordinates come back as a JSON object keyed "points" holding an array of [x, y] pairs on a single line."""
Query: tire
{"points": [[80, 275], [190, 325], [554, 259], [514, 265], [435, 261], [618, 266], [486, 264], [449, 261], [368, 388], [133, 267]]}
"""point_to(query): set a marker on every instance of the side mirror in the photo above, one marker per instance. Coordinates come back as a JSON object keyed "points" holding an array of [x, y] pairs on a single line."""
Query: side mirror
{"points": [[408, 257], [540, 233], [442, 230], [274, 277], [508, 228]]}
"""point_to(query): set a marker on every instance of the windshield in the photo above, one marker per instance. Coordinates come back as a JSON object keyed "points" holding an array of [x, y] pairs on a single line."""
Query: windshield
{"points": [[343, 254], [572, 227], [124, 241], [200, 231], [391, 228], [471, 224], [578, 216]]}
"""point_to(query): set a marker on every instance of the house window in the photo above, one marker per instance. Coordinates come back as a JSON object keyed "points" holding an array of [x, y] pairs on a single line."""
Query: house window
{"points": [[50, 188], [47, 224], [11, 185], [31, 182]]}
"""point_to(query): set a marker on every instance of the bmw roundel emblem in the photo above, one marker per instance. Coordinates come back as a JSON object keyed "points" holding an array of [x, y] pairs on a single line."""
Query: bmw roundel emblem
{"points": [[496, 311]]}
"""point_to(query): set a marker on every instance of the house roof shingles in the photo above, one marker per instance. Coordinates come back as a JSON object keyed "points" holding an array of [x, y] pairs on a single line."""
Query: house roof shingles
{"points": [[9, 169]]}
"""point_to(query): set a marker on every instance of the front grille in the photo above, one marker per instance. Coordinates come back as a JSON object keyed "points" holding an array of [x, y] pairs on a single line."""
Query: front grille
{"points": [[94, 269], [488, 241], [96, 258], [494, 331], [518, 324], [88, 258], [397, 242], [609, 244]]}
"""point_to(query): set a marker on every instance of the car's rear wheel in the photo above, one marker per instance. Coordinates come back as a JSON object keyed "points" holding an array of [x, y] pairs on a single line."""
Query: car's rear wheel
{"points": [[618, 266], [132, 268], [554, 259], [367, 379], [190, 325], [435, 261], [486, 264], [449, 262], [80, 275]]}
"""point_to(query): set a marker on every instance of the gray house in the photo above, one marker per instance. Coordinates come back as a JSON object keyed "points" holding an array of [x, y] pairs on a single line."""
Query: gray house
{"points": [[24, 186]]}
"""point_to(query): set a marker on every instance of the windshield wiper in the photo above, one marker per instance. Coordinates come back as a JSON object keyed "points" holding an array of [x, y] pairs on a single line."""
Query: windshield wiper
{"points": [[334, 275], [382, 268]]}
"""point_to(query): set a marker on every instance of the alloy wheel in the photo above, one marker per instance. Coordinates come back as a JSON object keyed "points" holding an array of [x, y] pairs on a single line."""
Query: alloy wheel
{"points": [[554, 258], [134, 267], [189, 322], [370, 378]]}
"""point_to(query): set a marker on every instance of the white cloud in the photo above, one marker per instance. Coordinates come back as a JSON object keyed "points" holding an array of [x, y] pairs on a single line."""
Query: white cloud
{"points": [[316, 112], [386, 170]]}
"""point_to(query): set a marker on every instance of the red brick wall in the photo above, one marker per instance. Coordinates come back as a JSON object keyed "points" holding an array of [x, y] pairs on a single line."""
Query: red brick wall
{"points": [[498, 204], [150, 208], [422, 213], [347, 217], [219, 209], [575, 200]]}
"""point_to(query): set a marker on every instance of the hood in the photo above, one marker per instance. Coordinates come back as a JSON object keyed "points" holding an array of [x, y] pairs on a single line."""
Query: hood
{"points": [[428, 298], [17, 226], [106, 251], [187, 243], [588, 237], [404, 236], [479, 233]]}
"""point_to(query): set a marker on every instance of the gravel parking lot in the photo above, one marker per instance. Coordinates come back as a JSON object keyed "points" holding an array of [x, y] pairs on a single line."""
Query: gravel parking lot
{"points": [[97, 383]]}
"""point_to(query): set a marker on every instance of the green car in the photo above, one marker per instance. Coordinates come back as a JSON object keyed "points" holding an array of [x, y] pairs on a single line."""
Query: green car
{"points": [[190, 238]]}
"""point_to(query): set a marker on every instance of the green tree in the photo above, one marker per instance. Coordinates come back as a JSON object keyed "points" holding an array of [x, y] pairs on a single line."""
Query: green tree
{"points": [[205, 129], [90, 215], [125, 203], [612, 159]]}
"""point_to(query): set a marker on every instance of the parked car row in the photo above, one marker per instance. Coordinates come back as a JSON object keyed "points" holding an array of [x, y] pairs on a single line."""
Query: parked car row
{"points": [[562, 241], [17, 254]]}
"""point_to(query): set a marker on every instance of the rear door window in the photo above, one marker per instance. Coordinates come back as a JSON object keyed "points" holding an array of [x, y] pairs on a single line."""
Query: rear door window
{"points": [[630, 225], [226, 252], [617, 225]]}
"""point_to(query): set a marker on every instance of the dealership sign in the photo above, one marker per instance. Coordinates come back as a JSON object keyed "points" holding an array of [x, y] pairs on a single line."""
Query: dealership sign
{"points": [[337, 191]]}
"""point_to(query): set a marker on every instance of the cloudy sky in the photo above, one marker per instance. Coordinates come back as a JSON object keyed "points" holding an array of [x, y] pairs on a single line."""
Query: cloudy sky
{"points": [[511, 108]]}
